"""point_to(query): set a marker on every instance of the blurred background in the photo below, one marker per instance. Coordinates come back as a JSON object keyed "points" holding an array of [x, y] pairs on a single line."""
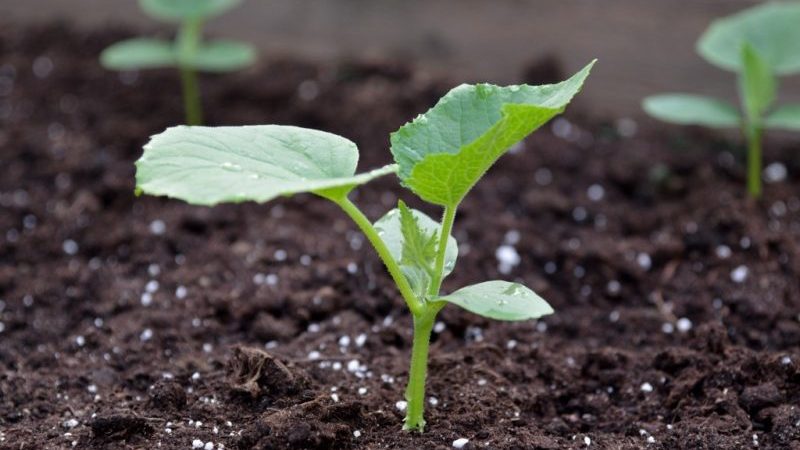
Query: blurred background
{"points": [[644, 47]]}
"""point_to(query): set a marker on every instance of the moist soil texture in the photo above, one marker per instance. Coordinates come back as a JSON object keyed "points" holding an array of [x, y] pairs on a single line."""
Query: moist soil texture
{"points": [[141, 323]]}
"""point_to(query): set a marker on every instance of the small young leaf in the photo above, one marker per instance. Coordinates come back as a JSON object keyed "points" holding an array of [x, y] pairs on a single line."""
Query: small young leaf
{"points": [[784, 118], [757, 85], [772, 28], [445, 151], [500, 300], [411, 237], [221, 56], [210, 165], [688, 109], [179, 10], [139, 53]]}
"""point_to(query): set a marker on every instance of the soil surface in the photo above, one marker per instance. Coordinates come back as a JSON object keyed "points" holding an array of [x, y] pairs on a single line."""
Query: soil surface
{"points": [[132, 323]]}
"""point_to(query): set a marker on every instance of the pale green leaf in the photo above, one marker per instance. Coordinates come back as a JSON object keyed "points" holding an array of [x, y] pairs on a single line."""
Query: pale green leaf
{"points": [[784, 118], [408, 238], [139, 53], [500, 300], [688, 109], [757, 85], [179, 10], [210, 165], [221, 56], [445, 151], [772, 28]]}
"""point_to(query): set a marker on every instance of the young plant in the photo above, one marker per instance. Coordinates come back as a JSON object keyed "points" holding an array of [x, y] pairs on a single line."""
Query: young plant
{"points": [[188, 53], [758, 44], [439, 156]]}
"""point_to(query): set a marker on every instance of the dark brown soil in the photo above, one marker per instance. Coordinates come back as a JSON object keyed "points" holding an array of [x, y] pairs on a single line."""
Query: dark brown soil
{"points": [[145, 323]]}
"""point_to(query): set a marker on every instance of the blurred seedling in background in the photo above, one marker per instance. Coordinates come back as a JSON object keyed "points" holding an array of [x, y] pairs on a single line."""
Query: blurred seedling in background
{"points": [[758, 44], [439, 156], [187, 52]]}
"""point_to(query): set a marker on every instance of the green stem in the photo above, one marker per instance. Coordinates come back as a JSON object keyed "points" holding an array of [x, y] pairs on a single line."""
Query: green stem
{"points": [[754, 160], [444, 235], [187, 42], [191, 97], [415, 391], [414, 304]]}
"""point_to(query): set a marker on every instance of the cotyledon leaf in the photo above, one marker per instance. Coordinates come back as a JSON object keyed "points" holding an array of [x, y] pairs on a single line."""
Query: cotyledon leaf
{"points": [[178, 10], [757, 84], [138, 53], [390, 230], [784, 118], [690, 109], [772, 28], [210, 165], [500, 300], [444, 152]]}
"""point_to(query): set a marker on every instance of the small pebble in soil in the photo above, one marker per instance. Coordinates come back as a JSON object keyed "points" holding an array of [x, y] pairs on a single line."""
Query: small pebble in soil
{"points": [[613, 288], [579, 214], [433, 401], [512, 237], [181, 292], [401, 405], [344, 341], [70, 423], [280, 255], [80, 341], [587, 440], [723, 252], [460, 442], [353, 365], [646, 387], [151, 286], [667, 328], [775, 172], [651, 440], [42, 67], [158, 227], [352, 268], [386, 378], [550, 267], [644, 261], [313, 328], [745, 242], [595, 192], [739, 274], [613, 316], [313, 355], [362, 391], [146, 335], [335, 397], [2, 327], [357, 433], [70, 247], [786, 360], [361, 339], [511, 344], [197, 443], [438, 327], [683, 325], [507, 258], [473, 334], [146, 299], [627, 127]]}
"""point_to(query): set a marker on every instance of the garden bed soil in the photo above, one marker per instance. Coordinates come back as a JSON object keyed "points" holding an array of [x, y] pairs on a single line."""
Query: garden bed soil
{"points": [[147, 323]]}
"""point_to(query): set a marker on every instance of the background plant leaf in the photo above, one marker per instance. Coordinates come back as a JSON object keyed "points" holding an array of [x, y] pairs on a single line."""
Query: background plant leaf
{"points": [[221, 56], [772, 29], [411, 237], [210, 165], [500, 300], [444, 152], [757, 84], [689, 109], [179, 10], [784, 118], [138, 53]]}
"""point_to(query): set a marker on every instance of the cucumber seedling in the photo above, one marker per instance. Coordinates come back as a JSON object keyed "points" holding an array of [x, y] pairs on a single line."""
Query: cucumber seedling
{"points": [[758, 44], [439, 156], [187, 52]]}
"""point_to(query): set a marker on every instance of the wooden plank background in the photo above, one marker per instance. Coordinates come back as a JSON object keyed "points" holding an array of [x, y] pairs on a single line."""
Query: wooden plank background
{"points": [[644, 46]]}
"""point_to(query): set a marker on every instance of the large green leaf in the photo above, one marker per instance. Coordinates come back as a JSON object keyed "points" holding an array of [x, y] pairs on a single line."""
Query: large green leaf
{"points": [[139, 53], [757, 85], [210, 165], [773, 29], [688, 109], [221, 56], [500, 300], [784, 118], [411, 237], [179, 10], [445, 151]]}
